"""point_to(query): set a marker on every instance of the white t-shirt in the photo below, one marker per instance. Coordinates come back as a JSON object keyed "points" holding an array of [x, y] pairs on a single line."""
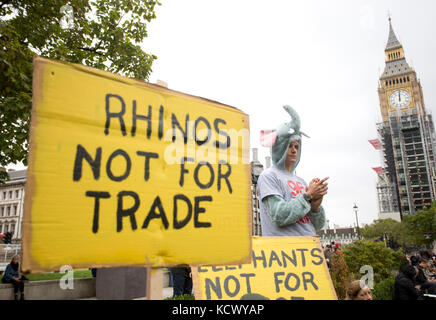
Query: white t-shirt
{"points": [[275, 181]]}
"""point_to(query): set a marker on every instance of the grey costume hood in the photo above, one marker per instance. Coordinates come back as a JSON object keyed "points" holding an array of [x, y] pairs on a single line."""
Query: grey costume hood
{"points": [[283, 136]]}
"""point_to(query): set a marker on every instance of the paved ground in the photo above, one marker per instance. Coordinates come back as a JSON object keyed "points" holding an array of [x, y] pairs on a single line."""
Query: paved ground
{"points": [[166, 293]]}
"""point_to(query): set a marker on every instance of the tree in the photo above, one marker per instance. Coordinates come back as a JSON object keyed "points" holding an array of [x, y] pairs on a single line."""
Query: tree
{"points": [[103, 34], [421, 227], [379, 227], [366, 252], [393, 229], [384, 290]]}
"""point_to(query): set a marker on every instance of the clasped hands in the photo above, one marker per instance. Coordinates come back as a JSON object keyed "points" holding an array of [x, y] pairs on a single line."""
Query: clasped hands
{"points": [[317, 189]]}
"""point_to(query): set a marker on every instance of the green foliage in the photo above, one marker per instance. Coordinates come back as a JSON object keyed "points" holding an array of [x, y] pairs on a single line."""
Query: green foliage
{"points": [[421, 227], [390, 227], [384, 289], [414, 231], [104, 34], [366, 252], [182, 297], [85, 273]]}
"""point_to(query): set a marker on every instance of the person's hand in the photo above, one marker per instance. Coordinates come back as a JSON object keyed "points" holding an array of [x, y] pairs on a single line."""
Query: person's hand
{"points": [[317, 188], [418, 287]]}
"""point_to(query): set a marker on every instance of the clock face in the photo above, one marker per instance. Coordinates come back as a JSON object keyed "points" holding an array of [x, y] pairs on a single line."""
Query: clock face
{"points": [[399, 99]]}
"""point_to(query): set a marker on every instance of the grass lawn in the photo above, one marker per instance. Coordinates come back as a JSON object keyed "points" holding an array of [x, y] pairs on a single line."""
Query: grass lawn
{"points": [[81, 273]]}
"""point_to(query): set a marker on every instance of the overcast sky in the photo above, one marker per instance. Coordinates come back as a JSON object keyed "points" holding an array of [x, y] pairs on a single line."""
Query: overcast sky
{"points": [[323, 58]]}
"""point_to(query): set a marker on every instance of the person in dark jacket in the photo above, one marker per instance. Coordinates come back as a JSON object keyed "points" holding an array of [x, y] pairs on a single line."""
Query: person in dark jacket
{"points": [[414, 260], [405, 285], [182, 281], [12, 276]]}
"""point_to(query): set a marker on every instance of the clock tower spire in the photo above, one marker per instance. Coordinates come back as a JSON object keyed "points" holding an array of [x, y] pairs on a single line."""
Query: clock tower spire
{"points": [[392, 40]]}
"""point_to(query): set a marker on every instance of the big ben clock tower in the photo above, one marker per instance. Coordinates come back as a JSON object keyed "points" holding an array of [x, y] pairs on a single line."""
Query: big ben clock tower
{"points": [[400, 89], [407, 135]]}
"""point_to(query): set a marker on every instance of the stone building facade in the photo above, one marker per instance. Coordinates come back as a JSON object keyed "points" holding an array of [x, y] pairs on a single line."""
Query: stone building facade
{"points": [[11, 204], [343, 236]]}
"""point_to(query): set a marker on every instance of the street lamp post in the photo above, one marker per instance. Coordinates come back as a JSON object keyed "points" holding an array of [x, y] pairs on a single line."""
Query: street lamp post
{"points": [[357, 221]]}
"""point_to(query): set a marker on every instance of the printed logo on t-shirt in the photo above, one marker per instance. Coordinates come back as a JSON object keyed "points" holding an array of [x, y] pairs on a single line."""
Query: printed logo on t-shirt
{"points": [[296, 189]]}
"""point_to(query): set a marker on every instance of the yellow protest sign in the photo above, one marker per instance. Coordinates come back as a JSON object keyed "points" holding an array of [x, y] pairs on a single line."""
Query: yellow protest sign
{"points": [[123, 172], [290, 268]]}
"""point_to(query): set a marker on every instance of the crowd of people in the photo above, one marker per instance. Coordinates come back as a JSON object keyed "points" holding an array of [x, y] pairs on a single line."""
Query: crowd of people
{"points": [[329, 250], [416, 281], [418, 277]]}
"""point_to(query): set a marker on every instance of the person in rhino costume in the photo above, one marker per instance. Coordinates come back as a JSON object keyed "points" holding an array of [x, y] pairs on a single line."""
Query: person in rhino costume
{"points": [[289, 206]]}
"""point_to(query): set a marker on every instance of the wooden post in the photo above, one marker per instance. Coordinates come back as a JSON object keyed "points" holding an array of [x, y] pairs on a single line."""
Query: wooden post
{"points": [[154, 289]]}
